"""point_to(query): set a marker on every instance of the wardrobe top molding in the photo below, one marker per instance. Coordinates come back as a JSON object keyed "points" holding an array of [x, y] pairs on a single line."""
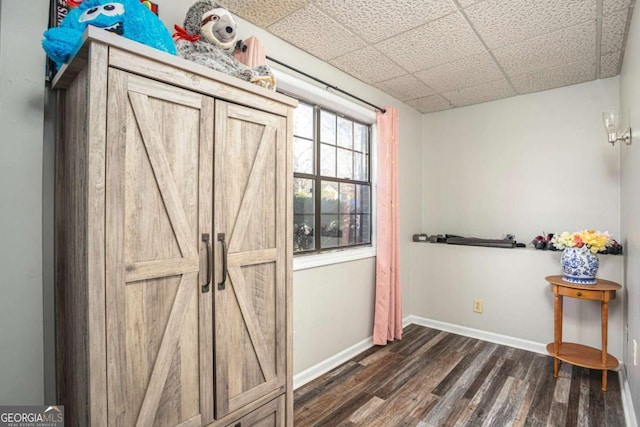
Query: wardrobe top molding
{"points": [[135, 57]]}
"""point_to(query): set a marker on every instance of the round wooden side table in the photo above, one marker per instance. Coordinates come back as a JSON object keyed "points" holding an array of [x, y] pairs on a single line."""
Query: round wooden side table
{"points": [[578, 354]]}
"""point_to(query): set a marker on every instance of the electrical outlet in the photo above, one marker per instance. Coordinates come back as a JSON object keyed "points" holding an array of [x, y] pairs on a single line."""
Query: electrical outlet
{"points": [[477, 305], [635, 353]]}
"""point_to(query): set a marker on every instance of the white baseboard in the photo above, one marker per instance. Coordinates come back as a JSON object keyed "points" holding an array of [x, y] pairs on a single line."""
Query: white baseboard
{"points": [[326, 365], [481, 335], [627, 402]]}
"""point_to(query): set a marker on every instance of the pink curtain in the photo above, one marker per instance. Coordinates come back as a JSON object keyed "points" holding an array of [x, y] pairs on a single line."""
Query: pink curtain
{"points": [[388, 306], [254, 53]]}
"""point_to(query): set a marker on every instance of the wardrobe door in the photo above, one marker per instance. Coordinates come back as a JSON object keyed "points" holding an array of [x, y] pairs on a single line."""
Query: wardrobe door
{"points": [[158, 200], [250, 232]]}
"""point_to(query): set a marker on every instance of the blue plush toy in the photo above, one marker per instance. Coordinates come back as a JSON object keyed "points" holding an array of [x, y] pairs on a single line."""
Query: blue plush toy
{"points": [[128, 18]]}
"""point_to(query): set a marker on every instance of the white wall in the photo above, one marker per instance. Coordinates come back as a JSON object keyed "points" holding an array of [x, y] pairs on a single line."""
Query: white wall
{"points": [[333, 305], [518, 302], [630, 202], [21, 163], [523, 165], [331, 313]]}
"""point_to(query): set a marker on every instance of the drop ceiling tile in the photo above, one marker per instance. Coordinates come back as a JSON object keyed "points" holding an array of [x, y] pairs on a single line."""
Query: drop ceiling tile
{"points": [[380, 20], [255, 11], [430, 104], [565, 46], [313, 31], [480, 93], [360, 65], [405, 87], [609, 64], [435, 43], [467, 3], [613, 26], [505, 22], [465, 72], [550, 78], [609, 6]]}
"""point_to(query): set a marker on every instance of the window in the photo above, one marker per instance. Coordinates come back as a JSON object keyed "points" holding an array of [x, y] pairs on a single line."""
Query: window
{"points": [[332, 181]]}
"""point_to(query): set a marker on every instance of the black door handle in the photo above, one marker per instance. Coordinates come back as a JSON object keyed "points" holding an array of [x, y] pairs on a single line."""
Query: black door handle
{"points": [[205, 239], [221, 239]]}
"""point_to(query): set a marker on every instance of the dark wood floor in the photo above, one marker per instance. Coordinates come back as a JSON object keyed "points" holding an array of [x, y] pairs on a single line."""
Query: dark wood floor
{"points": [[435, 378]]}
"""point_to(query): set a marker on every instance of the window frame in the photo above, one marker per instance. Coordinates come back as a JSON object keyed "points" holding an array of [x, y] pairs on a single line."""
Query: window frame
{"points": [[315, 95], [318, 179]]}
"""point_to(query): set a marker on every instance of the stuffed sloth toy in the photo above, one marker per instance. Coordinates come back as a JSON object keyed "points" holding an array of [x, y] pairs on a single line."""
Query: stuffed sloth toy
{"points": [[128, 18], [209, 38]]}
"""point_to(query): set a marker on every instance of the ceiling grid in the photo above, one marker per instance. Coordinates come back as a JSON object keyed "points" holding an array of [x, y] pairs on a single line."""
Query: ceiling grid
{"points": [[444, 54]]}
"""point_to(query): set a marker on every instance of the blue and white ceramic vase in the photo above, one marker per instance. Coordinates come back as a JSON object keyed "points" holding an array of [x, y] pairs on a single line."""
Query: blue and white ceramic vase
{"points": [[579, 265]]}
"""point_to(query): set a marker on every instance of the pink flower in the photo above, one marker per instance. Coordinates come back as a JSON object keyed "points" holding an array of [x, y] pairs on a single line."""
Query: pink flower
{"points": [[578, 240]]}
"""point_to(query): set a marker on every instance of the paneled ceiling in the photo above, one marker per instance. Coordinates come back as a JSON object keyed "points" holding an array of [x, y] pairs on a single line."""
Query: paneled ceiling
{"points": [[441, 54]]}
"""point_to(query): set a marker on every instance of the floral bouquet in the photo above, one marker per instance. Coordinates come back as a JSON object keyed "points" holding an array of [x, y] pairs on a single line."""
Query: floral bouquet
{"points": [[595, 241]]}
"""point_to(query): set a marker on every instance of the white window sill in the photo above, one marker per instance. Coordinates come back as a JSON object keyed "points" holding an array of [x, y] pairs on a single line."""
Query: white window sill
{"points": [[304, 262]]}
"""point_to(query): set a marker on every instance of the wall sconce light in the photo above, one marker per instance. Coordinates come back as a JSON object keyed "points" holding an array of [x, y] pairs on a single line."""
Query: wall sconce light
{"points": [[611, 121]]}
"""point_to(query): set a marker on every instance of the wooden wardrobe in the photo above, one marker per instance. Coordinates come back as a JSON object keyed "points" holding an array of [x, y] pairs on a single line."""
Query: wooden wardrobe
{"points": [[173, 242]]}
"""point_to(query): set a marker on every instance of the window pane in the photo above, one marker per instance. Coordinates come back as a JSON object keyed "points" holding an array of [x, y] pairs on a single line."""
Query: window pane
{"points": [[360, 167], [327, 127], [303, 214], [345, 133], [345, 164], [363, 199], [345, 231], [360, 138], [363, 234], [347, 198], [330, 231], [303, 121], [303, 201], [303, 155], [329, 197], [327, 160]]}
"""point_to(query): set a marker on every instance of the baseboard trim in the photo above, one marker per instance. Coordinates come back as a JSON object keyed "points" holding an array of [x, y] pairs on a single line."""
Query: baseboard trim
{"points": [[326, 365], [627, 402], [481, 335]]}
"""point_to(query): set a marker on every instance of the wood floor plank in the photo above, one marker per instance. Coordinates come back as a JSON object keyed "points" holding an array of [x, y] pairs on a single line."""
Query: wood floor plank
{"points": [[459, 370], [482, 376], [435, 378], [571, 418], [521, 417], [523, 363], [596, 398], [366, 409], [558, 410], [583, 402], [489, 392], [408, 367], [326, 382], [327, 402], [457, 390], [541, 404], [510, 400], [613, 411], [344, 411]]}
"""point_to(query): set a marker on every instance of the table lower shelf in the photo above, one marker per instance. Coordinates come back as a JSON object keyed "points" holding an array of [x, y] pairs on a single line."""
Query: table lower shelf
{"points": [[582, 355]]}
